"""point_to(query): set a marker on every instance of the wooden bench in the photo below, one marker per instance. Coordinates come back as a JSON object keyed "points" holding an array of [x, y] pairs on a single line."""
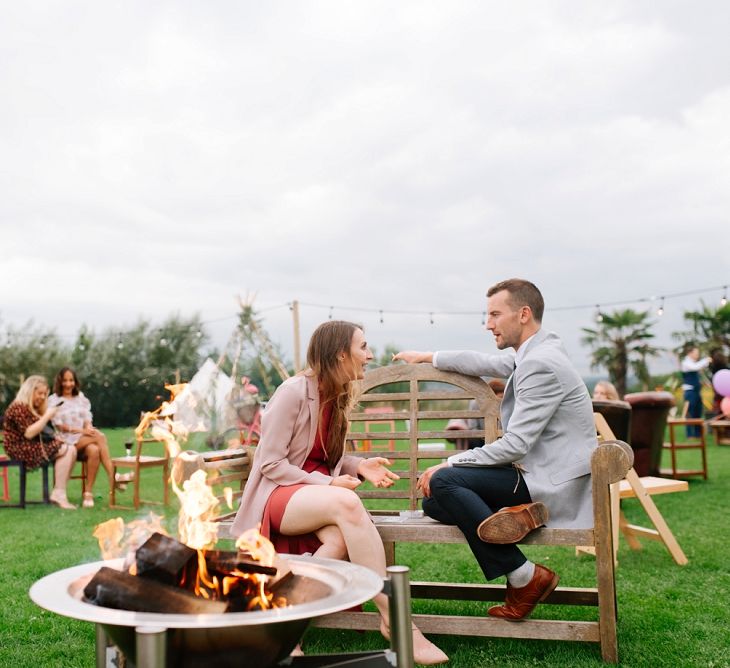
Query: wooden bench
{"points": [[427, 388], [226, 470]]}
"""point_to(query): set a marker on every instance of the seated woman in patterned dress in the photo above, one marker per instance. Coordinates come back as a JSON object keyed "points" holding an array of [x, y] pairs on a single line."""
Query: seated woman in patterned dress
{"points": [[24, 420], [74, 427], [300, 489]]}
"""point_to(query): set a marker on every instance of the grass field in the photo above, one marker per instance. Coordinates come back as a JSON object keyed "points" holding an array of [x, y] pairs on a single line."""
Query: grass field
{"points": [[668, 615]]}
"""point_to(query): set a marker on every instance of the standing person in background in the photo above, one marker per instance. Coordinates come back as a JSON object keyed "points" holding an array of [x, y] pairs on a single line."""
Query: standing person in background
{"points": [[24, 421], [73, 424], [691, 384]]}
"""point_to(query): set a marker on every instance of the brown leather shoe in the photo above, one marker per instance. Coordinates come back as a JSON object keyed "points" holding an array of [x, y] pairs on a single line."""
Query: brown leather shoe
{"points": [[512, 524], [521, 601]]}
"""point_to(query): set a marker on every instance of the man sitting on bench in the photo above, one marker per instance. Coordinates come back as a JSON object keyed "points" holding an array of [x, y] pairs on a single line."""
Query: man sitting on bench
{"points": [[496, 494]]}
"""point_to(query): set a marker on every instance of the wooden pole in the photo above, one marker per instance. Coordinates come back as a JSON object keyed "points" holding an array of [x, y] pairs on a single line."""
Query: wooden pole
{"points": [[297, 354]]}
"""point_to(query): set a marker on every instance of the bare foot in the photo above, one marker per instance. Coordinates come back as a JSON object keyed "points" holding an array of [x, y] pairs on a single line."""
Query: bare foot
{"points": [[424, 651]]}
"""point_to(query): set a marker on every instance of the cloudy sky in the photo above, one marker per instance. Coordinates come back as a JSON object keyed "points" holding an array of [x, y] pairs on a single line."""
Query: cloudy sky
{"points": [[160, 157]]}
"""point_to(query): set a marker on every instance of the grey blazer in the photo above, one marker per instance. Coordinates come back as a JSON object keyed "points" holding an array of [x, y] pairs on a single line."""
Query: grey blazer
{"points": [[547, 418]]}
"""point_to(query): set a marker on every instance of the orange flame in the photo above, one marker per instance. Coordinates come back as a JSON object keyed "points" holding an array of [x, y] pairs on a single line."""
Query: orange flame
{"points": [[117, 539]]}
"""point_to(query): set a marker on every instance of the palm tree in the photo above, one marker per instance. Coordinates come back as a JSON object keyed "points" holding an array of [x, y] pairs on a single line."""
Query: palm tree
{"points": [[709, 325], [620, 341]]}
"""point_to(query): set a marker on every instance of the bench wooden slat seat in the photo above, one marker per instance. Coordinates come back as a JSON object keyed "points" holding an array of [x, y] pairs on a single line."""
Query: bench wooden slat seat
{"points": [[610, 463]]}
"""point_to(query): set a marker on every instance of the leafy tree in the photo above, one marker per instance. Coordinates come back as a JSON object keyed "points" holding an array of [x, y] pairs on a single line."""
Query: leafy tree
{"points": [[621, 342], [31, 349], [709, 325], [125, 373]]}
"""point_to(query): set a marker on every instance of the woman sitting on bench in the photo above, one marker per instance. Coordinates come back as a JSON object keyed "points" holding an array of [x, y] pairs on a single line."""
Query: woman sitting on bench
{"points": [[24, 424], [301, 484]]}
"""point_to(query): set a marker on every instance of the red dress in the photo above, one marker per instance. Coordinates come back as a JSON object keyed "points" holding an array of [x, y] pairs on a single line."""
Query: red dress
{"points": [[276, 505], [33, 452]]}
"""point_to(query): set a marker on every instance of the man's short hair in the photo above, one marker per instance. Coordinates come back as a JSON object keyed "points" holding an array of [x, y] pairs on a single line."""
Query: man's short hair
{"points": [[521, 293]]}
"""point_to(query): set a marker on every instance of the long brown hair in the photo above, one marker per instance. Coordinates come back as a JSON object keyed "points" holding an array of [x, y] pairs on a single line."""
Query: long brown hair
{"points": [[58, 382], [329, 344]]}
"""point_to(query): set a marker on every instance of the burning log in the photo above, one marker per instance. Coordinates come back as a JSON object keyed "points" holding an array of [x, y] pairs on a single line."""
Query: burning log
{"points": [[225, 562], [116, 589], [166, 560]]}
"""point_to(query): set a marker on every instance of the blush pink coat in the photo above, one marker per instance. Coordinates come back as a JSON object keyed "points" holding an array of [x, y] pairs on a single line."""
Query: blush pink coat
{"points": [[288, 428]]}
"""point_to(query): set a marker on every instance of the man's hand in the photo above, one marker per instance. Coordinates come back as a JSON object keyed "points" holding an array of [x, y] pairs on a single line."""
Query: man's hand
{"points": [[347, 481], [374, 470], [413, 357], [424, 482]]}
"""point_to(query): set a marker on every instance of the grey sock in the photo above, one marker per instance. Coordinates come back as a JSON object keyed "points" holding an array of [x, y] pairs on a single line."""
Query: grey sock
{"points": [[520, 577]]}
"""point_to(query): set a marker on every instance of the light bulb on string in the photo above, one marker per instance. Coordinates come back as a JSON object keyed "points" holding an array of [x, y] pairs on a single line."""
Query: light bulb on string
{"points": [[599, 315], [660, 310], [199, 334], [120, 343], [723, 299], [484, 318], [430, 316], [81, 347], [381, 316], [329, 317], [42, 344]]}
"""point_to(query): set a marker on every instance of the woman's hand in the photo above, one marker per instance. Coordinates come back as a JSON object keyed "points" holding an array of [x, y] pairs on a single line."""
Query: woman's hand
{"points": [[347, 481], [88, 430], [374, 470], [50, 412]]}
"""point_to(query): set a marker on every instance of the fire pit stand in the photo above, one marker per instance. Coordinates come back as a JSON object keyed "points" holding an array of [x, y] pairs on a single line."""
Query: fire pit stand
{"points": [[156, 640]]}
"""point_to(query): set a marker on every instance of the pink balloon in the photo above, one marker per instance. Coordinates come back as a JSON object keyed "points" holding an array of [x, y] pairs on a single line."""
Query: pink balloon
{"points": [[721, 382], [725, 406]]}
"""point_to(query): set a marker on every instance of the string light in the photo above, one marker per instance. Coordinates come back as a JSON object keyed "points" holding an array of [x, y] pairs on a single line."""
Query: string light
{"points": [[484, 318], [598, 316]]}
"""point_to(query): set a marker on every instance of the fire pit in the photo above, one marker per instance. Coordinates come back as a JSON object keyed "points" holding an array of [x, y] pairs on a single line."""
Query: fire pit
{"points": [[231, 639]]}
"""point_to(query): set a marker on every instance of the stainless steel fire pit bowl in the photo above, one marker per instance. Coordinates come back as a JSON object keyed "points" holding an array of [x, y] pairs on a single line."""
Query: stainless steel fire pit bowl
{"points": [[258, 638]]}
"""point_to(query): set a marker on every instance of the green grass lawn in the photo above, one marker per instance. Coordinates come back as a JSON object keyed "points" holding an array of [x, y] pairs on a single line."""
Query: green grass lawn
{"points": [[669, 615]]}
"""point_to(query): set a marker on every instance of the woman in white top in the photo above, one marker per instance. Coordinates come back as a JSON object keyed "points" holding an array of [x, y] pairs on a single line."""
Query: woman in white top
{"points": [[73, 424]]}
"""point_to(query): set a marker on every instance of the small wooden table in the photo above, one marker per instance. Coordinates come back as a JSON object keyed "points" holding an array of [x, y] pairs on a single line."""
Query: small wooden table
{"points": [[721, 431]]}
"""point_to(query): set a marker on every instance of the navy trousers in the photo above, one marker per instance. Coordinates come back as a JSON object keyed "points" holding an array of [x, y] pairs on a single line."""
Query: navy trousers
{"points": [[694, 410], [466, 496]]}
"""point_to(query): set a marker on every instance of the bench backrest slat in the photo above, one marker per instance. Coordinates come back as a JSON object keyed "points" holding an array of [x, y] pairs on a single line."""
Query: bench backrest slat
{"points": [[432, 395]]}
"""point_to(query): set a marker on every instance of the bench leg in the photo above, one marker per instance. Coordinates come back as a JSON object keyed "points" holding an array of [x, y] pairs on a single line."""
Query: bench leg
{"points": [[46, 497], [389, 553], [23, 482]]}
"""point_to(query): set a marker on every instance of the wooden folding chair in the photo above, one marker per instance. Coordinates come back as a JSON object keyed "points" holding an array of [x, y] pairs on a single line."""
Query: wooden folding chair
{"points": [[641, 488]]}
